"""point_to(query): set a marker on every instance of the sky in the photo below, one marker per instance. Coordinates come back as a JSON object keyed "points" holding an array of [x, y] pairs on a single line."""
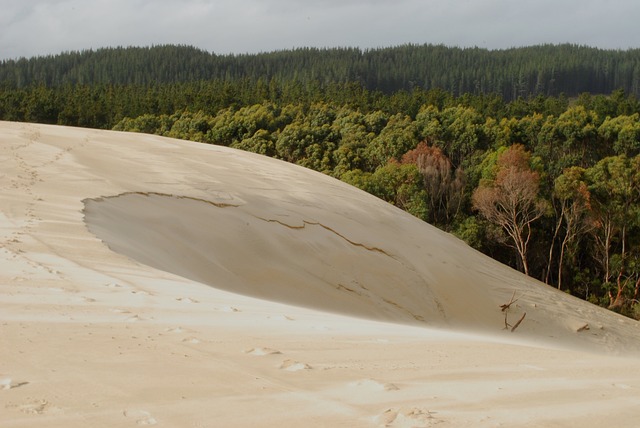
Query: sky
{"points": [[38, 27]]}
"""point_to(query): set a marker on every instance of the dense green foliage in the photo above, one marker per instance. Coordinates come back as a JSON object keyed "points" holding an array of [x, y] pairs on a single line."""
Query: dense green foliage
{"points": [[511, 73], [547, 184]]}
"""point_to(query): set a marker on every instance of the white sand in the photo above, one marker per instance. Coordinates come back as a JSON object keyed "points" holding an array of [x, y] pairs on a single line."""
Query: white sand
{"points": [[350, 313]]}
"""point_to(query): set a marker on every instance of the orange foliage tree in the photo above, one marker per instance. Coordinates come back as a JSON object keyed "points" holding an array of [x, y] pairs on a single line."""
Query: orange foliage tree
{"points": [[444, 186], [511, 200]]}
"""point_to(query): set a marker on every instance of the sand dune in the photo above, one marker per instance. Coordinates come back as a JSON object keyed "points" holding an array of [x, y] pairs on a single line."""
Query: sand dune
{"points": [[151, 281]]}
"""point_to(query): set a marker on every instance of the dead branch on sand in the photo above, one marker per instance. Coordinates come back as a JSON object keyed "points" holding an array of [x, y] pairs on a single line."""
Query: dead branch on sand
{"points": [[518, 323], [505, 308]]}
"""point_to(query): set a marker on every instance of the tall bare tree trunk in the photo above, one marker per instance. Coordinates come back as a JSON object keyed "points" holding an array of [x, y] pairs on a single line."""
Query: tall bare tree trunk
{"points": [[553, 241]]}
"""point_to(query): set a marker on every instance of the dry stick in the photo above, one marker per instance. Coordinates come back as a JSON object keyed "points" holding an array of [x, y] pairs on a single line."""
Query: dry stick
{"points": [[505, 308], [583, 328], [506, 323], [518, 323], [511, 302]]}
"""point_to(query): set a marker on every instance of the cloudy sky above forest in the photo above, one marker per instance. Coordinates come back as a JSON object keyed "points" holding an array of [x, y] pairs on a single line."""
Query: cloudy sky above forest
{"points": [[41, 27]]}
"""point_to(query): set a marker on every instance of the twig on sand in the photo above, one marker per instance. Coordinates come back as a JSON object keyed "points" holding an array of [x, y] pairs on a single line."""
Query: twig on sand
{"points": [[518, 323], [505, 308]]}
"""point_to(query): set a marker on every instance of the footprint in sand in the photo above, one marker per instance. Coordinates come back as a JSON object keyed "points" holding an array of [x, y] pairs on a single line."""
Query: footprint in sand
{"points": [[84, 299], [262, 351], [294, 366], [408, 417], [374, 385], [142, 417], [229, 309], [187, 300], [38, 407], [136, 318], [113, 285], [283, 318]]}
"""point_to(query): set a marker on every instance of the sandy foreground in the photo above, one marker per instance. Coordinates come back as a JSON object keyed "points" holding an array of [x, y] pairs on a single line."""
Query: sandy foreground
{"points": [[151, 281]]}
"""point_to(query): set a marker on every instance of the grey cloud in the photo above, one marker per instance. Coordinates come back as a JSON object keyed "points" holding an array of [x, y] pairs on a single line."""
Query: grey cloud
{"points": [[34, 27]]}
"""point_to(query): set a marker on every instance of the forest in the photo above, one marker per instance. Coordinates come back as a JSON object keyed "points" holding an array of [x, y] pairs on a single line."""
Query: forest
{"points": [[511, 73], [546, 182]]}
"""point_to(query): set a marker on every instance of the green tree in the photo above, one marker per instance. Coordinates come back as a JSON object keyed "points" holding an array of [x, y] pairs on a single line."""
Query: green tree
{"points": [[355, 134], [398, 136], [622, 133], [576, 132], [400, 185], [575, 215], [614, 184], [261, 142]]}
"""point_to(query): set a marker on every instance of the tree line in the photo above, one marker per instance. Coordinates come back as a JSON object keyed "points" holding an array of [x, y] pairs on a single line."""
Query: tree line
{"points": [[511, 73]]}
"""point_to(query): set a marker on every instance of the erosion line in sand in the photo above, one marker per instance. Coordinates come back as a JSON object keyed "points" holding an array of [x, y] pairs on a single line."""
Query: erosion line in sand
{"points": [[313, 223], [392, 303], [216, 204]]}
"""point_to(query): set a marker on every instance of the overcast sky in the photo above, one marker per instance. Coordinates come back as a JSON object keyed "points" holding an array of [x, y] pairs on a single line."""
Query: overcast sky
{"points": [[40, 27]]}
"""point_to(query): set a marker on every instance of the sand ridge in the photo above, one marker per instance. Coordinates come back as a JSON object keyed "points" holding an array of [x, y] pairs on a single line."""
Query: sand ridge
{"points": [[151, 281]]}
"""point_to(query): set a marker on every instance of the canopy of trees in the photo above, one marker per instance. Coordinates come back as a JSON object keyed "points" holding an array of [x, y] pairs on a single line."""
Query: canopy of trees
{"points": [[511, 73], [547, 184]]}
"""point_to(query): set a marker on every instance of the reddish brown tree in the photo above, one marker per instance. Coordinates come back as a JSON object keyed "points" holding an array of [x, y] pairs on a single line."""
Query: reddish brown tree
{"points": [[444, 186], [512, 199]]}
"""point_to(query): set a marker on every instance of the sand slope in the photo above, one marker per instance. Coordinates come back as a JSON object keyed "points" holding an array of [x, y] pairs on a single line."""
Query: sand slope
{"points": [[123, 255]]}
